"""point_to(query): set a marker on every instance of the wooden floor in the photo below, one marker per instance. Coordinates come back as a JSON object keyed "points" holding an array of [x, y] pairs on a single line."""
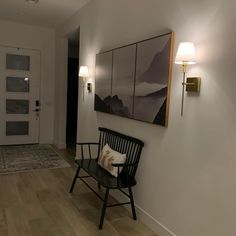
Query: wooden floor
{"points": [[38, 204]]}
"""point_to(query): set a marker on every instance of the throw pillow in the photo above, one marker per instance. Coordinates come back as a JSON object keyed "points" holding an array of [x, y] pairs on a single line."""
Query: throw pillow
{"points": [[108, 157]]}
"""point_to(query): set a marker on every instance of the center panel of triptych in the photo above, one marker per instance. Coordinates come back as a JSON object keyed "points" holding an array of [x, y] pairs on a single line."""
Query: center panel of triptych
{"points": [[123, 81]]}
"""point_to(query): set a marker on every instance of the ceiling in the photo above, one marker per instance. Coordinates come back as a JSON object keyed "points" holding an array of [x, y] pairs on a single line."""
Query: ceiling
{"points": [[49, 13]]}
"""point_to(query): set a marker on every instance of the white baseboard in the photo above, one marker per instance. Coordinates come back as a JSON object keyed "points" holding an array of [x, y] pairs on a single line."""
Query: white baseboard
{"points": [[154, 224], [146, 218]]}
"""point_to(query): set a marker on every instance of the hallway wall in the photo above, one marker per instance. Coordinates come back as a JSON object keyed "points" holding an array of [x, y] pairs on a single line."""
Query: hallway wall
{"points": [[186, 178]]}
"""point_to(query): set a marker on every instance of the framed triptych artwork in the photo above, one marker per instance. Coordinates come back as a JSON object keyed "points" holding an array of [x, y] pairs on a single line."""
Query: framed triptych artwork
{"points": [[134, 81]]}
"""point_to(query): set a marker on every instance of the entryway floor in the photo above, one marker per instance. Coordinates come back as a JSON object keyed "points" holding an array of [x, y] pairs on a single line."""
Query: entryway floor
{"points": [[38, 203]]}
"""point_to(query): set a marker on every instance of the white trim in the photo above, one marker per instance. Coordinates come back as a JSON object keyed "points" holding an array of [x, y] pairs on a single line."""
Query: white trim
{"points": [[153, 223], [146, 218], [19, 47]]}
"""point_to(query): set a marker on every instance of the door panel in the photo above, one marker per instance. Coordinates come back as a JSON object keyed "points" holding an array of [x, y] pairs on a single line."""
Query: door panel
{"points": [[19, 91], [17, 84], [17, 62]]}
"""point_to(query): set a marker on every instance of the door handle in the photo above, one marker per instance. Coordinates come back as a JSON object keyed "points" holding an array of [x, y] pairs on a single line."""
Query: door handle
{"points": [[36, 110]]}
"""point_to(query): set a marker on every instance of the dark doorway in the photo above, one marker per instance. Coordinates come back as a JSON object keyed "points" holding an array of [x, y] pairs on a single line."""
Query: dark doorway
{"points": [[72, 92]]}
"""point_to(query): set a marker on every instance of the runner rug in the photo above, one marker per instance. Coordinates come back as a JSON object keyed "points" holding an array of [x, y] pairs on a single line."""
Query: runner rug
{"points": [[29, 157]]}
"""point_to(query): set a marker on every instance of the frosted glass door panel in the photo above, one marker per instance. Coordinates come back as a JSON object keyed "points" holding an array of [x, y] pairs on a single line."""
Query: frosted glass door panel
{"points": [[17, 62], [17, 128], [14, 106], [15, 84]]}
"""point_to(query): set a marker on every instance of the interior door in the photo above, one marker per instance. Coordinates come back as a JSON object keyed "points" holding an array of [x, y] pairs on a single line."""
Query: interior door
{"points": [[19, 96]]}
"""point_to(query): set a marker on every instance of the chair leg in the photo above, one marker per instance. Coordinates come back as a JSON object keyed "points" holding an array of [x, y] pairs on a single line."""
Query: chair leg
{"points": [[104, 208], [74, 180], [99, 186], [132, 203]]}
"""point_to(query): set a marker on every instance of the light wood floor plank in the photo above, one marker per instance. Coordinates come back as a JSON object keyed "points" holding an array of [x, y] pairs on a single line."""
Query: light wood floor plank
{"points": [[3, 222], [38, 203], [16, 222]]}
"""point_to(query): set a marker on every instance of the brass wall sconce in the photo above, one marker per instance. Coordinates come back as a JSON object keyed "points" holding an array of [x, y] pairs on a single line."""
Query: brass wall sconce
{"points": [[83, 73], [186, 56]]}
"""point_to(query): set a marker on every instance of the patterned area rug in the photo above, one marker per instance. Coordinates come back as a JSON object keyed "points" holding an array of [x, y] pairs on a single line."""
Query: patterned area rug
{"points": [[29, 157]]}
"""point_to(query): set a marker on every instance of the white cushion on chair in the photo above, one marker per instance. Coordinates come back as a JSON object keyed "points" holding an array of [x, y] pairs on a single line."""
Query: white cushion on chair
{"points": [[108, 157]]}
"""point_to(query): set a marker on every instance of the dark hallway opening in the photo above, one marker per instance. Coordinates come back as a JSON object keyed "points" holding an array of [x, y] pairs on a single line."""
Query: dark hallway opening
{"points": [[72, 92]]}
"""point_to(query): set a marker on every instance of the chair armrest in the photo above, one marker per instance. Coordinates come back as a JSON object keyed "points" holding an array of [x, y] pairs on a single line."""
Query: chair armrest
{"points": [[88, 144], [118, 165], [121, 164], [92, 143]]}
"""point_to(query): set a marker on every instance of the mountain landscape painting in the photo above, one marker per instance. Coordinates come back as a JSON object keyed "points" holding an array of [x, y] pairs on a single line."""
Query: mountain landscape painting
{"points": [[134, 81], [152, 80]]}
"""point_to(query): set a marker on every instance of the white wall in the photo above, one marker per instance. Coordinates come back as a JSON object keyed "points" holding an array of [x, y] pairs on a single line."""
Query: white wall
{"points": [[186, 178], [61, 60], [42, 39]]}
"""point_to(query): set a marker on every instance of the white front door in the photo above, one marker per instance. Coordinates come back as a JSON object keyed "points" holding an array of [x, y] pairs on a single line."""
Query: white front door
{"points": [[19, 96]]}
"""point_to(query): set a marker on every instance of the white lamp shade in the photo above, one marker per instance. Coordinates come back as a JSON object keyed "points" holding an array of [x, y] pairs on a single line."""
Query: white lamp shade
{"points": [[186, 54], [83, 71]]}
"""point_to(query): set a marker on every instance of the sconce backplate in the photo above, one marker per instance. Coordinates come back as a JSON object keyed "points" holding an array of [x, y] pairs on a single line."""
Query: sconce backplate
{"points": [[193, 84], [89, 87]]}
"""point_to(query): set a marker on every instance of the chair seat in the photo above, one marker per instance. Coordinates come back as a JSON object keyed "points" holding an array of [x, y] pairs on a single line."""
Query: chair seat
{"points": [[103, 177]]}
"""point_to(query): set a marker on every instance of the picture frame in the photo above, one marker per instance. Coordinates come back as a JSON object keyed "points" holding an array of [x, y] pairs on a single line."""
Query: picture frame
{"points": [[138, 80]]}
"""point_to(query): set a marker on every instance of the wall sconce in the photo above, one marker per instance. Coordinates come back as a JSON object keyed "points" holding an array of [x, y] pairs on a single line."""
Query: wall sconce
{"points": [[186, 56], [83, 73]]}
